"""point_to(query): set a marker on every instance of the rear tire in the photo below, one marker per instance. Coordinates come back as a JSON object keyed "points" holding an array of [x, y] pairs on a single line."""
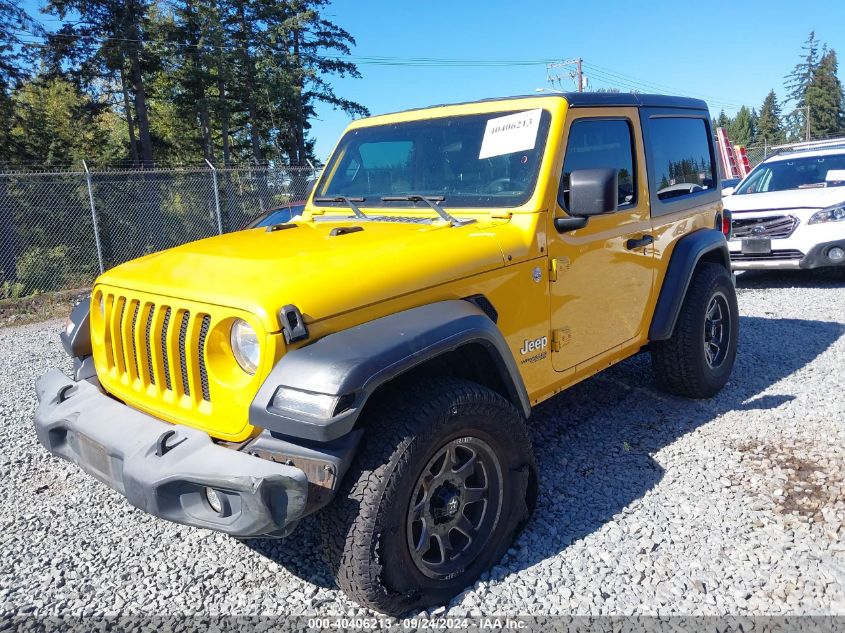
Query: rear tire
{"points": [[445, 466], [697, 360]]}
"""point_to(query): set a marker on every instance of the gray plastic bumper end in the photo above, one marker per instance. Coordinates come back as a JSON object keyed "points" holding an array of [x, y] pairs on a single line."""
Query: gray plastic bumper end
{"points": [[164, 469]]}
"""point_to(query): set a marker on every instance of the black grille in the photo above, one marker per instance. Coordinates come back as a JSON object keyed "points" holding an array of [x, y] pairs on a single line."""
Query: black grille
{"points": [[776, 227], [777, 254], [120, 325], [206, 321], [151, 375], [164, 349], [150, 338], [183, 361], [135, 351]]}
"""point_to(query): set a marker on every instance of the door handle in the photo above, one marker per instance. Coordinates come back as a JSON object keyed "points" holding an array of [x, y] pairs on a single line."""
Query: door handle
{"points": [[645, 240]]}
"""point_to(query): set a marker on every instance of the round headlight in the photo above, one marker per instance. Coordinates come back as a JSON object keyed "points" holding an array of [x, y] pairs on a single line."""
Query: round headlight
{"points": [[245, 346]]}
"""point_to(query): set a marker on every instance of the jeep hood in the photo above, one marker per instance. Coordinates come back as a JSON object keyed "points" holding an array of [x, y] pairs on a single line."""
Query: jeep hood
{"points": [[322, 274], [812, 198]]}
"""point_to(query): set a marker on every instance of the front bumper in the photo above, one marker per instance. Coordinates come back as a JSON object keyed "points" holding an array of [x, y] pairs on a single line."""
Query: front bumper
{"points": [[164, 469], [817, 257], [783, 258]]}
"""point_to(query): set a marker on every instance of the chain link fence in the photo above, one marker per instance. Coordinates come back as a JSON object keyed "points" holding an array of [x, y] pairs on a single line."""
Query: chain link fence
{"points": [[759, 152], [59, 229]]}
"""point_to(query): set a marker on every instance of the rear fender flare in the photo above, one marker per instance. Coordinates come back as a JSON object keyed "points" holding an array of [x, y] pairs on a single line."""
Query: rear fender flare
{"points": [[704, 244]]}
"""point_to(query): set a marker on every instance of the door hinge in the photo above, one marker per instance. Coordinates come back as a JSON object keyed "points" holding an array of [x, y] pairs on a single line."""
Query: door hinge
{"points": [[557, 266], [560, 338]]}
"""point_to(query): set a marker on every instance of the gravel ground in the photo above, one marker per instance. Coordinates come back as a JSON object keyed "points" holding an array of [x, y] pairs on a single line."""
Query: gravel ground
{"points": [[649, 504]]}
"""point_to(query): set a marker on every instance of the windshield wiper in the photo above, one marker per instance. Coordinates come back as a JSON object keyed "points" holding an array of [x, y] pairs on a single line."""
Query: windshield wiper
{"points": [[350, 202], [430, 201]]}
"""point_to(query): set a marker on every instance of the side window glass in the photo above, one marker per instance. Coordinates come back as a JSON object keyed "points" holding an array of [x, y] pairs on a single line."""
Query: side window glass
{"points": [[681, 159], [600, 144]]}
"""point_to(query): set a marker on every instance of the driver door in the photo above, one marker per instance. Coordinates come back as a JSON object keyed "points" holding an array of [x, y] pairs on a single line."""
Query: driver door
{"points": [[603, 273]]}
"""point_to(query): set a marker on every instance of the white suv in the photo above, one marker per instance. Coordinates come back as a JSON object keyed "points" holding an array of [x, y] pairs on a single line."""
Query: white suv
{"points": [[789, 212]]}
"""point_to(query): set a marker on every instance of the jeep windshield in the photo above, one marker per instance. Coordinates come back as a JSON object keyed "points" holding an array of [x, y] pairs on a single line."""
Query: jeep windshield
{"points": [[478, 160], [806, 172]]}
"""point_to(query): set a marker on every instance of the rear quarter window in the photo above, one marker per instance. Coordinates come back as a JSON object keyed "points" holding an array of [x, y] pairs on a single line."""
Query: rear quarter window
{"points": [[680, 159]]}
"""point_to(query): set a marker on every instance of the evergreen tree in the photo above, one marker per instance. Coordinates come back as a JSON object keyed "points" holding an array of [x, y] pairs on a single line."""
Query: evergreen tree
{"points": [[723, 120], [797, 83], [192, 79], [310, 48], [56, 123], [15, 55], [824, 97], [185, 85], [15, 58], [108, 43], [799, 79], [769, 127], [741, 128]]}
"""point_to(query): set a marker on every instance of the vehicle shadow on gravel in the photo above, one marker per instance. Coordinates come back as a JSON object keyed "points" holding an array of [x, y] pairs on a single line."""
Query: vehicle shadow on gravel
{"points": [[594, 443], [761, 279]]}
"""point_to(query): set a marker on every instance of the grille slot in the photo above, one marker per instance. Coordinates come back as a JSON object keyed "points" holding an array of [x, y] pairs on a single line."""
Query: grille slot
{"points": [[164, 356], [148, 344], [132, 337], [122, 362], [776, 227], [183, 359], [206, 322]]}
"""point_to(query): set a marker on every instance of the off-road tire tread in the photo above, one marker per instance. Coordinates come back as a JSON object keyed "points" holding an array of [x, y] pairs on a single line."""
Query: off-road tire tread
{"points": [[673, 369], [391, 426]]}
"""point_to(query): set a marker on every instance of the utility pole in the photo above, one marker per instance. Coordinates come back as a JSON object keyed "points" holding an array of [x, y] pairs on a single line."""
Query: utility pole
{"points": [[555, 76], [806, 110], [808, 123], [579, 74]]}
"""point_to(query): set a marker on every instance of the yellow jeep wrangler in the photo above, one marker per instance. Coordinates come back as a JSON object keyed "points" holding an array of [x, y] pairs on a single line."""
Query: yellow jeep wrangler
{"points": [[376, 360]]}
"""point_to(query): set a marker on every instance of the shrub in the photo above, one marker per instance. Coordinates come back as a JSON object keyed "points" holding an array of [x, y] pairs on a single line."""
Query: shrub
{"points": [[41, 269], [11, 290]]}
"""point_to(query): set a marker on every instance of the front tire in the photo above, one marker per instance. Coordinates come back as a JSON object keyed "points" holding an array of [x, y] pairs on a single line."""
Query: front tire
{"points": [[697, 360], [443, 482]]}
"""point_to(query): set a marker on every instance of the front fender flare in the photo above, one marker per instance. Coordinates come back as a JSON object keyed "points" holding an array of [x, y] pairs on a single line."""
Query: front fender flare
{"points": [[354, 363]]}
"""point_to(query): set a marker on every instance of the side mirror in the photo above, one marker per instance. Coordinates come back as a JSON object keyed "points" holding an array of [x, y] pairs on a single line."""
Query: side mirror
{"points": [[593, 191], [727, 191]]}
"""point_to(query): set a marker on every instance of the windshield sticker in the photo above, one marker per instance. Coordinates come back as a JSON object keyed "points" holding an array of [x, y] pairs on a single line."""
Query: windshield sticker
{"points": [[511, 133], [835, 175]]}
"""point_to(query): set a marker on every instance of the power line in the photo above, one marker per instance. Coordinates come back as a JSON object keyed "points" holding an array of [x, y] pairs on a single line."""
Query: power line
{"points": [[610, 77], [616, 82], [89, 40], [615, 75]]}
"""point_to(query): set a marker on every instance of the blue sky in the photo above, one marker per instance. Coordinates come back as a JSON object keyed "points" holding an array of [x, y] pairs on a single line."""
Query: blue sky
{"points": [[729, 53]]}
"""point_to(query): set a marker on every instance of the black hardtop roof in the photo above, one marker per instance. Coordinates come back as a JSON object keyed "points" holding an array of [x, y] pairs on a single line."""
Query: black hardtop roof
{"points": [[596, 99], [590, 99]]}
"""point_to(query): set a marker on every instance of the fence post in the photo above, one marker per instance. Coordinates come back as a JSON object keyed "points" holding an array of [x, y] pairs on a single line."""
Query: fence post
{"points": [[216, 197], [94, 217], [313, 170]]}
